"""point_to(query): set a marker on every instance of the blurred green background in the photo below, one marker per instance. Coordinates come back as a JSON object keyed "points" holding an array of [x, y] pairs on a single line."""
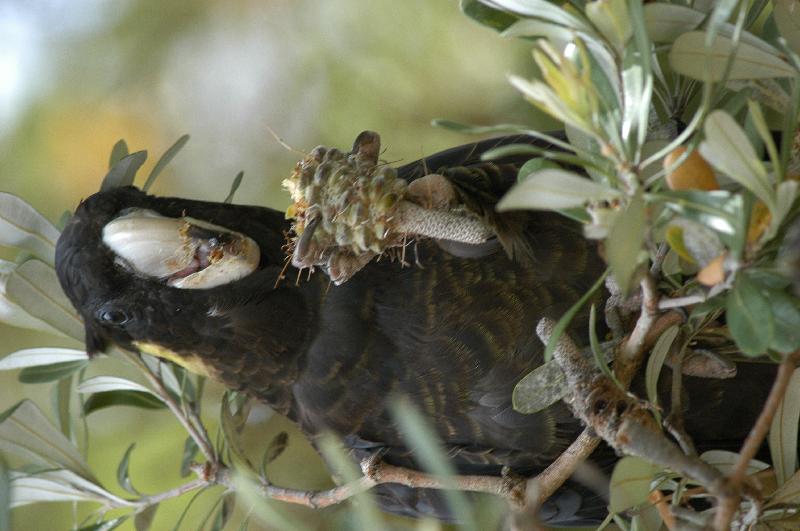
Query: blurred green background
{"points": [[77, 75]]}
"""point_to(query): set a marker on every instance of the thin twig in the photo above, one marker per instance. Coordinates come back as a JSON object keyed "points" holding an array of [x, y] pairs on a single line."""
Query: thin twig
{"points": [[198, 434], [729, 504], [549, 480]]}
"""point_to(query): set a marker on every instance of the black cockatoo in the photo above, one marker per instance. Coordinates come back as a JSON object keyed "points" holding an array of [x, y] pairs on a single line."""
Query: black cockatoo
{"points": [[453, 333]]}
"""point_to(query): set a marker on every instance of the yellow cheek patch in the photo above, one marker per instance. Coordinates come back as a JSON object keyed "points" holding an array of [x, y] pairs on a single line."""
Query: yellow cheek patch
{"points": [[190, 363]]}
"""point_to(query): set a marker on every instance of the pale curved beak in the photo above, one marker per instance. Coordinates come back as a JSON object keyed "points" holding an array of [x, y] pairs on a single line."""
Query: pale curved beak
{"points": [[184, 252]]}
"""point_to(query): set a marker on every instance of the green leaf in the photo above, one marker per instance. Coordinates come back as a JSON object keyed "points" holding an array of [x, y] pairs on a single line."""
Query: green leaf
{"points": [[123, 472], [553, 189], [118, 152], [597, 350], [727, 148], [10, 312], [165, 159], [625, 241], [534, 165], [787, 493], [101, 384], [105, 525], [690, 57], [366, 512], [144, 518], [5, 496], [630, 483], [22, 227], [34, 287], [58, 485], [224, 513], [530, 27], [62, 403], [234, 186], [787, 322], [787, 17], [275, 448], [422, 441], [189, 451], [106, 399], [783, 431], [25, 431], [50, 373], [501, 128], [486, 15], [749, 316], [656, 361], [231, 429], [540, 388], [666, 22], [612, 19], [546, 11], [563, 323], [124, 172], [34, 357], [726, 462]]}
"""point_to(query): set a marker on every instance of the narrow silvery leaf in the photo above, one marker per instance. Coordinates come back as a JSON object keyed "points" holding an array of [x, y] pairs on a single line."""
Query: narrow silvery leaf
{"points": [[57, 485], [530, 27], [34, 357], [727, 148], [553, 189], [612, 19], [786, 194], [666, 22], [486, 15], [624, 243], [783, 431], [124, 171], [101, 384], [689, 57], [788, 493], [726, 462], [35, 288], [787, 17], [722, 11], [543, 10], [550, 102], [165, 159], [118, 152], [10, 312], [540, 388], [656, 361], [26, 427], [21, 226]]}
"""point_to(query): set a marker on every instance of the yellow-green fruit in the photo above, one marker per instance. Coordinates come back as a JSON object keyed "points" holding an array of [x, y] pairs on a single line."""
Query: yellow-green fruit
{"points": [[694, 173]]}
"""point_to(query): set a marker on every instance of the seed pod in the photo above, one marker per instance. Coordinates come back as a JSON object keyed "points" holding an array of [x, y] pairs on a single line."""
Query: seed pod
{"points": [[694, 173]]}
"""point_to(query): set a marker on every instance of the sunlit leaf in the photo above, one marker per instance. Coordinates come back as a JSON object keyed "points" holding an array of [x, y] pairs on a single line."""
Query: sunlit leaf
{"points": [[701, 243], [124, 171], [35, 288], [689, 57], [138, 399], [57, 485], [25, 431], [666, 22], [100, 384], [21, 226], [726, 462], [749, 316], [553, 189], [783, 431], [543, 10], [624, 243], [630, 483], [10, 312], [722, 11], [33, 357], [165, 159], [612, 19], [529, 27]]}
